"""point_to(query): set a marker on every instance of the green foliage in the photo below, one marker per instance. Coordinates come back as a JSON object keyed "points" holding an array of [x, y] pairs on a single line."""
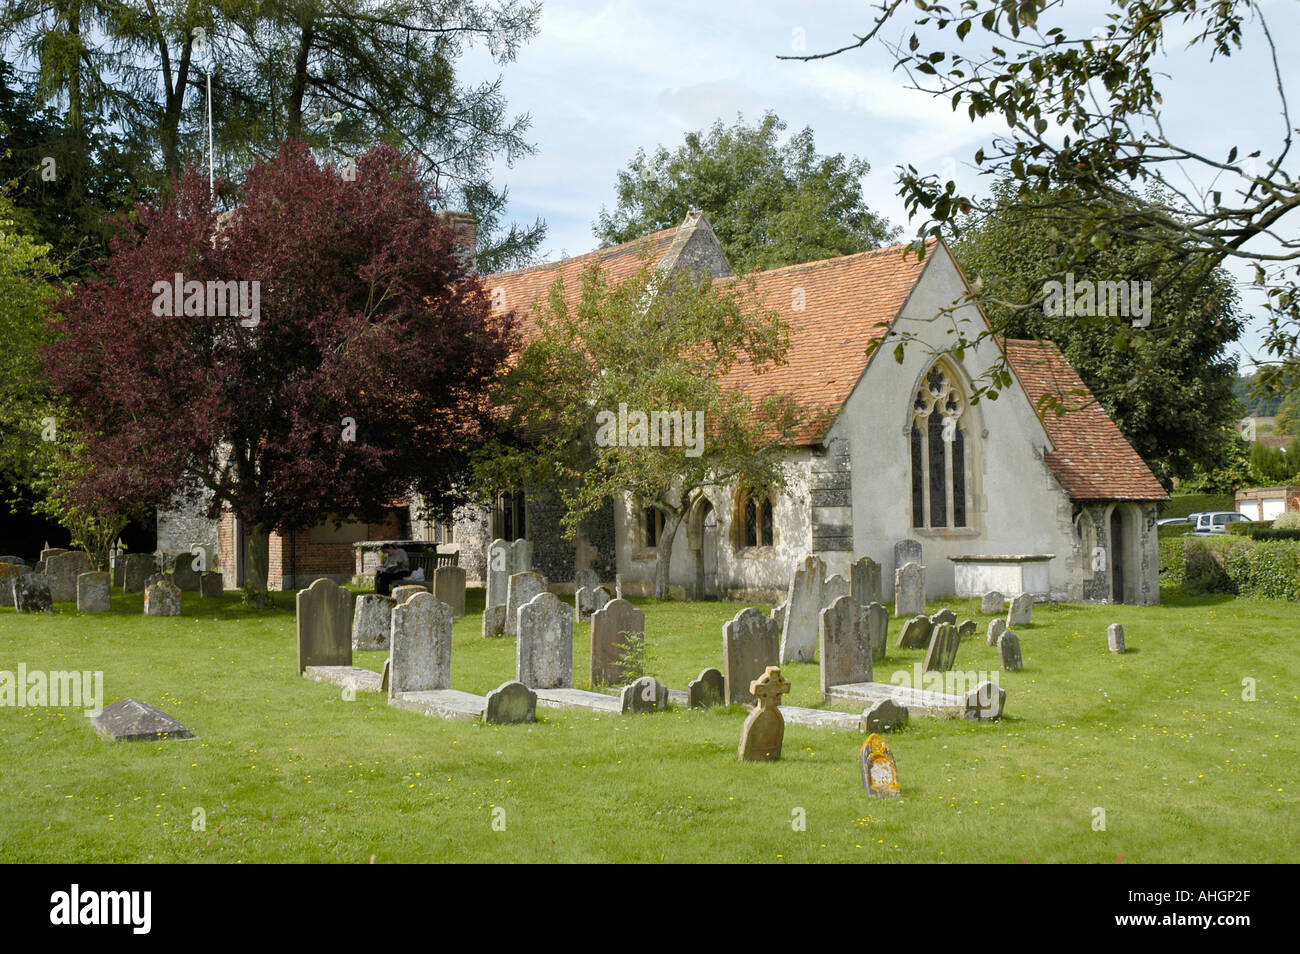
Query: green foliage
{"points": [[1267, 568], [770, 204], [1202, 573], [1263, 531], [630, 655], [1228, 476], [1271, 465], [1287, 521], [1182, 505]]}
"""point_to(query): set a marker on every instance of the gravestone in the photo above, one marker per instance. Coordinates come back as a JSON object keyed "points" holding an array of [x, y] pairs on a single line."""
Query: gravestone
{"points": [[1021, 608], [835, 587], [988, 700], [449, 588], [879, 770], [875, 617], [706, 690], [494, 620], [905, 552], [991, 603], [967, 629], [884, 716], [778, 615], [915, 633], [118, 569], [909, 590], [510, 703], [764, 729], [498, 572], [162, 598], [62, 570], [129, 720], [31, 593], [997, 627], [865, 583], [942, 653], [750, 644], [401, 594], [844, 645], [420, 637], [523, 587], [211, 585], [324, 625], [136, 570], [646, 694], [1115, 637], [544, 649], [46, 554], [93, 592], [803, 607], [386, 674], [13, 560], [372, 621], [521, 556], [184, 575], [10, 571], [943, 616], [588, 600], [1009, 652], [586, 578], [609, 628]]}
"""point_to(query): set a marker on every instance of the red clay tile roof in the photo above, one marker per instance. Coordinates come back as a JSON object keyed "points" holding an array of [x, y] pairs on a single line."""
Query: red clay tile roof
{"points": [[848, 302], [1091, 460]]}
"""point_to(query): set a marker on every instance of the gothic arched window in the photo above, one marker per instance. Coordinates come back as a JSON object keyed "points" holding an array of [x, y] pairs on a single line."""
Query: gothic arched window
{"points": [[938, 451], [754, 524]]}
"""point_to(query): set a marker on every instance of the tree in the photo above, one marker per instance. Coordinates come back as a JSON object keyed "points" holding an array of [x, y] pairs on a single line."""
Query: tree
{"points": [[769, 204], [650, 343], [353, 374], [1167, 384], [1084, 113]]}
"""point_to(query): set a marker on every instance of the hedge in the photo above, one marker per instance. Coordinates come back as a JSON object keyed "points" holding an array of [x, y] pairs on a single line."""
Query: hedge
{"points": [[1263, 530], [1266, 568], [1185, 504]]}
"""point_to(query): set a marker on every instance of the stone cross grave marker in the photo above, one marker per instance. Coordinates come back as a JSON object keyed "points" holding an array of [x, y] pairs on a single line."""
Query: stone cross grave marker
{"points": [[764, 729]]}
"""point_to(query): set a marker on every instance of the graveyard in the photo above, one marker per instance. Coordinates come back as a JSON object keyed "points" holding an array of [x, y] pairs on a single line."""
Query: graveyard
{"points": [[1159, 738]]}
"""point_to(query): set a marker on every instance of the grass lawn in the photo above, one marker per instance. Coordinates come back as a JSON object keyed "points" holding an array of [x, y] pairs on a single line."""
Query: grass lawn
{"points": [[286, 770]]}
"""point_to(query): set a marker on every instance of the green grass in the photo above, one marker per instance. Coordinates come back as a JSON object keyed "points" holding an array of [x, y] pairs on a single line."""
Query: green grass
{"points": [[286, 770]]}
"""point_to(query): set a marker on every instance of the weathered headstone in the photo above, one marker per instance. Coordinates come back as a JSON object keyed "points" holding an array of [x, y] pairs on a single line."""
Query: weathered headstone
{"points": [[544, 649], [875, 617], [136, 570], [1021, 608], [420, 638], [803, 608], [905, 552], [510, 703], [835, 587], [988, 700], [9, 571], [764, 729], [211, 585], [31, 593], [879, 770], [119, 569], [997, 627], [610, 629], [942, 653], [750, 644], [884, 716], [162, 598], [62, 570], [49, 552], [646, 694], [943, 616], [844, 645], [494, 620], [967, 629], [498, 572], [129, 720], [778, 615], [588, 600], [991, 603], [401, 594], [909, 590], [586, 578], [449, 588], [706, 690], [324, 625], [1115, 637], [865, 583], [372, 621], [523, 587], [93, 592], [184, 574], [915, 633], [13, 560], [1009, 652]]}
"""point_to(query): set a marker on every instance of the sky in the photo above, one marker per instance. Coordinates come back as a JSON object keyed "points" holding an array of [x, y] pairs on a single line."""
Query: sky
{"points": [[602, 79]]}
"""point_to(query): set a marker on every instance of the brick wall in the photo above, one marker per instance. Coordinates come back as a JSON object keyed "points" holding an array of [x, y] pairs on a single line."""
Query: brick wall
{"points": [[294, 559]]}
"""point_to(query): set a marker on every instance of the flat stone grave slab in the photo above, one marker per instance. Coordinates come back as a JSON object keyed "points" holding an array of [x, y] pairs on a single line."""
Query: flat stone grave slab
{"points": [[579, 699], [129, 720], [822, 718], [442, 704], [922, 702], [356, 678]]}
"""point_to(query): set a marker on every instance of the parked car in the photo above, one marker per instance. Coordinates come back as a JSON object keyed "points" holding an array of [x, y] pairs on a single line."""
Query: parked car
{"points": [[1170, 521], [1216, 521]]}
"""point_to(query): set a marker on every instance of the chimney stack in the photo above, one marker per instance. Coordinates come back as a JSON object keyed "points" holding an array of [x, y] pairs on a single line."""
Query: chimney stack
{"points": [[465, 227]]}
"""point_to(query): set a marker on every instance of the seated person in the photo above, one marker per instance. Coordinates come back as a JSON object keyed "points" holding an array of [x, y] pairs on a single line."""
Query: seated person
{"points": [[397, 566]]}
